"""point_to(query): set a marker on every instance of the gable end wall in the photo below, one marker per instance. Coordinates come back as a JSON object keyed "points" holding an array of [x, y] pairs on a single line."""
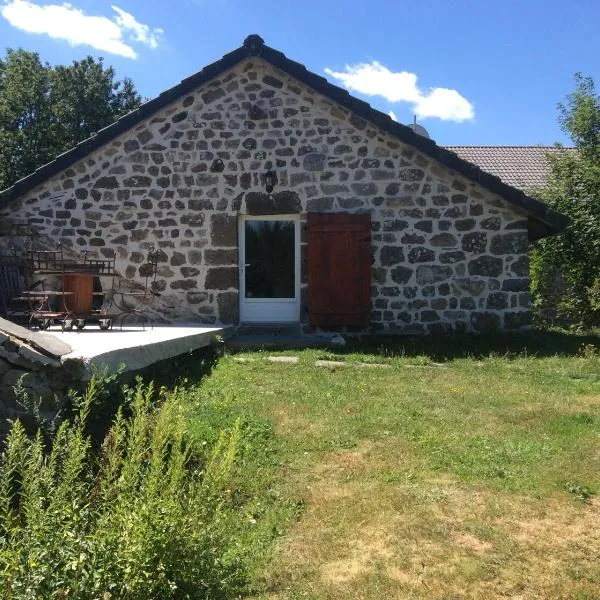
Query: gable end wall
{"points": [[446, 254]]}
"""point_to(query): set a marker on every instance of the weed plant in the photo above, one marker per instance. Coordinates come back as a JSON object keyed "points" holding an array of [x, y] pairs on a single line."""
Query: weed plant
{"points": [[150, 514]]}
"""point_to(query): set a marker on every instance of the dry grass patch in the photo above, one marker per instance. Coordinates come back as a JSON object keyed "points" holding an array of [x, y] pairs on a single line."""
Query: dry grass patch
{"points": [[289, 420], [440, 538]]}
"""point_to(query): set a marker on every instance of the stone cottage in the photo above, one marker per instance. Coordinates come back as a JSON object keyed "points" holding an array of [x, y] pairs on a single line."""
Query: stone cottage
{"points": [[273, 196]]}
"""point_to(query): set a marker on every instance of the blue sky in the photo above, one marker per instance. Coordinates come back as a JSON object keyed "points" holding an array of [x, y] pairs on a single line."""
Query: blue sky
{"points": [[475, 71]]}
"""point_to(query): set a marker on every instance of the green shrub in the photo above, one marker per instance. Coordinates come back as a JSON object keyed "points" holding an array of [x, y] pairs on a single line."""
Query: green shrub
{"points": [[147, 516], [565, 270]]}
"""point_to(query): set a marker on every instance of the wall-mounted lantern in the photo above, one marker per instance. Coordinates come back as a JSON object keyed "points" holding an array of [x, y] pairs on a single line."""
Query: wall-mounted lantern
{"points": [[270, 180]]}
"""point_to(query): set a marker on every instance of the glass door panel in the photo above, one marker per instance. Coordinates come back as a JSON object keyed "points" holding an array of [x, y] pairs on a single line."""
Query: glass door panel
{"points": [[270, 259], [269, 268]]}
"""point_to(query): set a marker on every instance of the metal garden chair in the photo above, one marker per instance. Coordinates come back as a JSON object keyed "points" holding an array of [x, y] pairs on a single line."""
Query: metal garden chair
{"points": [[134, 302]]}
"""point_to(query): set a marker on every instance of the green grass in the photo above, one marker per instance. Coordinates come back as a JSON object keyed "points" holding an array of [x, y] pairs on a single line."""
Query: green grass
{"points": [[466, 467]]}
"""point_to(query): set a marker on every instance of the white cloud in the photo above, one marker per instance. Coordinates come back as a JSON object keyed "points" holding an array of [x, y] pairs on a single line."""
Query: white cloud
{"points": [[374, 79], [393, 116], [66, 22], [141, 33]]}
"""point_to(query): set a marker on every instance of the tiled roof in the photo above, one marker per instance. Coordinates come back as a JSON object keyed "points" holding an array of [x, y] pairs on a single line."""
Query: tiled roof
{"points": [[542, 219], [523, 167]]}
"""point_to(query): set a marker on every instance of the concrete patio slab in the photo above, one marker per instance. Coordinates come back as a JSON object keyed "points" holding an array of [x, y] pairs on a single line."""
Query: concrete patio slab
{"points": [[135, 347]]}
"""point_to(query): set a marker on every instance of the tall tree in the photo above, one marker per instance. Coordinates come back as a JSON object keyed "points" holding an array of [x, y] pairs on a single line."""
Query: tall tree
{"points": [[566, 268], [85, 98], [25, 115], [46, 110]]}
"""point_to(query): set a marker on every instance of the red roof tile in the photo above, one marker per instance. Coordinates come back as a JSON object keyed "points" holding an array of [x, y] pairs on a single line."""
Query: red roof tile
{"points": [[523, 167]]}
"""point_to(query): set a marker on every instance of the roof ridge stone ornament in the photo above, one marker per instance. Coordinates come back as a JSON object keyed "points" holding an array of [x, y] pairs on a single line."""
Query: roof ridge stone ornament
{"points": [[254, 44]]}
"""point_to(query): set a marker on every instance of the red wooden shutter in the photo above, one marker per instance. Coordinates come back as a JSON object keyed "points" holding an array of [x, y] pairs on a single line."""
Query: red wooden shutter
{"points": [[339, 269]]}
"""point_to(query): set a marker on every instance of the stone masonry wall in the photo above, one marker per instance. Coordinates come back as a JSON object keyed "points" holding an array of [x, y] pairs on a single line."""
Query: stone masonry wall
{"points": [[43, 377], [447, 254]]}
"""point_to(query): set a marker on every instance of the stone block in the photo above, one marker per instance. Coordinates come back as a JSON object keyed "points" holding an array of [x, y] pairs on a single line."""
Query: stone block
{"points": [[390, 291], [439, 328], [334, 188], [395, 225], [412, 238], [401, 275], [427, 316], [451, 257], [197, 220], [10, 377], [4, 367], [516, 285], [467, 303], [177, 259], [196, 297], [467, 285], [520, 267], [379, 275], [510, 243], [106, 183], [131, 146], [351, 203], [221, 257], [319, 204], [411, 174], [421, 254], [364, 189], [229, 310], [489, 266], [36, 358], [314, 161], [137, 181], [183, 284], [180, 116], [427, 274], [497, 301], [525, 300], [221, 278], [391, 255], [443, 240], [491, 223], [223, 230], [426, 226], [475, 242], [189, 271], [259, 203], [484, 321]]}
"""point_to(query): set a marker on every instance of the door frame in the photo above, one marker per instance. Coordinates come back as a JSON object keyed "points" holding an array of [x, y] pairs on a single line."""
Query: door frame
{"points": [[269, 310]]}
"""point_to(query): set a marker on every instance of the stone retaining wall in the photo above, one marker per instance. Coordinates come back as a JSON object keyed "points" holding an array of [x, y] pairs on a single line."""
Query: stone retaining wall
{"points": [[446, 254], [26, 356]]}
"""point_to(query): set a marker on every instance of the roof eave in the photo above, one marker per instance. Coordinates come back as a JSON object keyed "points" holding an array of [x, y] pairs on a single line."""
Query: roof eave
{"points": [[552, 221]]}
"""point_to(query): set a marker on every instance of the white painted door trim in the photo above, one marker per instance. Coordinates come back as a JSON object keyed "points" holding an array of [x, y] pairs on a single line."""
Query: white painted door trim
{"points": [[271, 310]]}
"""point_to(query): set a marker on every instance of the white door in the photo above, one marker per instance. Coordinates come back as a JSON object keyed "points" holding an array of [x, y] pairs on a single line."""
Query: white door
{"points": [[269, 268]]}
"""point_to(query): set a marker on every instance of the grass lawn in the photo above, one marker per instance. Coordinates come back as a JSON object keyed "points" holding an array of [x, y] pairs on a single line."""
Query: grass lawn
{"points": [[450, 468]]}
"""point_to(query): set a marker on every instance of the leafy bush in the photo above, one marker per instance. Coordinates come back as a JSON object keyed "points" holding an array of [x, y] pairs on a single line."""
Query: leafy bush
{"points": [[148, 516], [565, 270]]}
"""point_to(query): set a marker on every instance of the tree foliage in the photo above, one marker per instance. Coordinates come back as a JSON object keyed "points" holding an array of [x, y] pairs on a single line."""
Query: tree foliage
{"points": [[46, 110], [566, 268]]}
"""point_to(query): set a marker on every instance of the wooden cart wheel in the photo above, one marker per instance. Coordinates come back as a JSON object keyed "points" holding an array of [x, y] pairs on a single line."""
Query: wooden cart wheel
{"points": [[80, 324], [105, 324], [67, 325], [44, 324]]}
